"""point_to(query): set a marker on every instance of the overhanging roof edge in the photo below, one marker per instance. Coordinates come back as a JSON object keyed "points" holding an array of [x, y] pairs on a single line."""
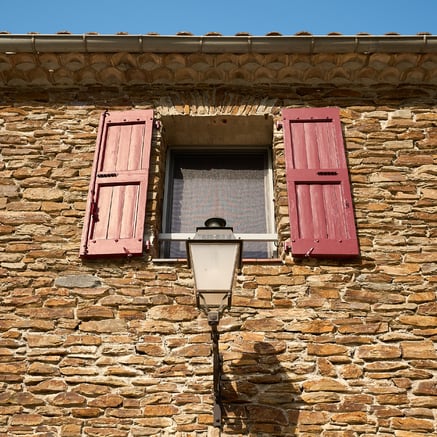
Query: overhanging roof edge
{"points": [[62, 43]]}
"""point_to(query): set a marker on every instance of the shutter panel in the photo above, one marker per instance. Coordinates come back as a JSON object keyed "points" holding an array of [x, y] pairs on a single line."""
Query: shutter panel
{"points": [[319, 195], [116, 208]]}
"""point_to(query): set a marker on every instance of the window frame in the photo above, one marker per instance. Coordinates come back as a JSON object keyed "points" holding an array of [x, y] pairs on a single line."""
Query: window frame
{"points": [[270, 237]]}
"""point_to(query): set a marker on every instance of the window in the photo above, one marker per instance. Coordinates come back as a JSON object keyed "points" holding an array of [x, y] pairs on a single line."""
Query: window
{"points": [[232, 184], [221, 166]]}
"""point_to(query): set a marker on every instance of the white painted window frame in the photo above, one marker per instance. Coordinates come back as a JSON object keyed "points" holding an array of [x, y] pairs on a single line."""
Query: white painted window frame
{"points": [[269, 237]]}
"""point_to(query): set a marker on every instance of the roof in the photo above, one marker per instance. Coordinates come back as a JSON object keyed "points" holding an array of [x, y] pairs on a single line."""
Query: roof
{"points": [[64, 59]]}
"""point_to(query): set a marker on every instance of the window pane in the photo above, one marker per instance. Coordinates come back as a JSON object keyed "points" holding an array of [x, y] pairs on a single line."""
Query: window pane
{"points": [[228, 185]]}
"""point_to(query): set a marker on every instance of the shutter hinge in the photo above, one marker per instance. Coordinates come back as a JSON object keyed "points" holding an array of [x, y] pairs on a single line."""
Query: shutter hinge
{"points": [[94, 212], [287, 247], [327, 173], [149, 238], [107, 175], [127, 252]]}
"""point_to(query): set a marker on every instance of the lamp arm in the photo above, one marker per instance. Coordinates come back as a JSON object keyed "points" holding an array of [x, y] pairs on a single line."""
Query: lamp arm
{"points": [[217, 374]]}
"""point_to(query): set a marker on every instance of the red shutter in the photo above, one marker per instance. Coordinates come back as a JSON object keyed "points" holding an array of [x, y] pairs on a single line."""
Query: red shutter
{"points": [[116, 208], [319, 195]]}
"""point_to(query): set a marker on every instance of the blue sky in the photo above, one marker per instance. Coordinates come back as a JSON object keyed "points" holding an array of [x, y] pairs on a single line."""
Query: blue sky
{"points": [[258, 17]]}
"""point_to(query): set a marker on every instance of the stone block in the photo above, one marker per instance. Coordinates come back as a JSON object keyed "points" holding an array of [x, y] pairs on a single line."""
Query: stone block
{"points": [[378, 352], [351, 418], [411, 423], [69, 399], [23, 217], [263, 325], [426, 388], [26, 420], [418, 350], [49, 386], [47, 194], [77, 281], [325, 350], [173, 312], [95, 313], [36, 340], [160, 410], [104, 326], [325, 384], [419, 321]]}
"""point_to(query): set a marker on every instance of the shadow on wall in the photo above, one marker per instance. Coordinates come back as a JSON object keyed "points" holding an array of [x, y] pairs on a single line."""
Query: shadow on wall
{"points": [[257, 395]]}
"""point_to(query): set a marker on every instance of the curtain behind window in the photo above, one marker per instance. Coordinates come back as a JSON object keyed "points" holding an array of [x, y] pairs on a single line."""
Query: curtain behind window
{"points": [[227, 185]]}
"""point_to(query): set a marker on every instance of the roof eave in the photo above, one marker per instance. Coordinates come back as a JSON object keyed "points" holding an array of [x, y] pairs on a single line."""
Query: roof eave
{"points": [[90, 43]]}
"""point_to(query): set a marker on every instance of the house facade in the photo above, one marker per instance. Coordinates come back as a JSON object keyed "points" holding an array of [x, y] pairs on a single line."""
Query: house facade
{"points": [[322, 151]]}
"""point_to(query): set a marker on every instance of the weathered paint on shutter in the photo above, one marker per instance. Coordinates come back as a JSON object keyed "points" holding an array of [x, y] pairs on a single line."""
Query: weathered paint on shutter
{"points": [[116, 208], [319, 195]]}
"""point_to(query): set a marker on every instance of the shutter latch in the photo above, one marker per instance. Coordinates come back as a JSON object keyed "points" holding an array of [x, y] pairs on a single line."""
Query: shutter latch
{"points": [[308, 254]]}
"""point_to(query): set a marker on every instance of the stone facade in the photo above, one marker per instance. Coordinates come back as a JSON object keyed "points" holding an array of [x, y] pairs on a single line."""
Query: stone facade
{"points": [[116, 347]]}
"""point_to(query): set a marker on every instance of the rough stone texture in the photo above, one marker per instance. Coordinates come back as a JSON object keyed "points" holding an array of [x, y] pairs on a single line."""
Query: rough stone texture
{"points": [[311, 347]]}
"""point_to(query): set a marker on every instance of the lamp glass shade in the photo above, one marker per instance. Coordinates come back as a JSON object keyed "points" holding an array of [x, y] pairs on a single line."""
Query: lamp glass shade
{"points": [[214, 264], [214, 254]]}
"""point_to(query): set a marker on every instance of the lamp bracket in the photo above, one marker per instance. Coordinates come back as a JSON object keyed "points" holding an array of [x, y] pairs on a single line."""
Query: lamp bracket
{"points": [[202, 305], [213, 318], [217, 371]]}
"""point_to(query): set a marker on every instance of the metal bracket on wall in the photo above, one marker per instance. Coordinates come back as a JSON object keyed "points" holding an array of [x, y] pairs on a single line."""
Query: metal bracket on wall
{"points": [[287, 247], [213, 318]]}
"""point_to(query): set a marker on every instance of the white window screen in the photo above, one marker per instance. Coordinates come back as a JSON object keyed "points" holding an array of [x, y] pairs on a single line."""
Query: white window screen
{"points": [[231, 185]]}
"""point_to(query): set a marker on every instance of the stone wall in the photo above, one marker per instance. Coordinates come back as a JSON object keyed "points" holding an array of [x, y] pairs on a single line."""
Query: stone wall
{"points": [[310, 347]]}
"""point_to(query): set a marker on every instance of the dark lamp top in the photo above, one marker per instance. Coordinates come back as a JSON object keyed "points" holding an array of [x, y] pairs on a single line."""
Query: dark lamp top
{"points": [[215, 222]]}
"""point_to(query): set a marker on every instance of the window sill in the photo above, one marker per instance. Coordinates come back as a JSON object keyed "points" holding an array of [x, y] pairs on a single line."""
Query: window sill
{"points": [[245, 260]]}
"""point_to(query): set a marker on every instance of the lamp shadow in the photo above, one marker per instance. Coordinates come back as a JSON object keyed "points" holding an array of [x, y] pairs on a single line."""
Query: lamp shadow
{"points": [[258, 398]]}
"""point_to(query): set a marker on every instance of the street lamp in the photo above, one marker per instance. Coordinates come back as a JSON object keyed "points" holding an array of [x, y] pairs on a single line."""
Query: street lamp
{"points": [[214, 254]]}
